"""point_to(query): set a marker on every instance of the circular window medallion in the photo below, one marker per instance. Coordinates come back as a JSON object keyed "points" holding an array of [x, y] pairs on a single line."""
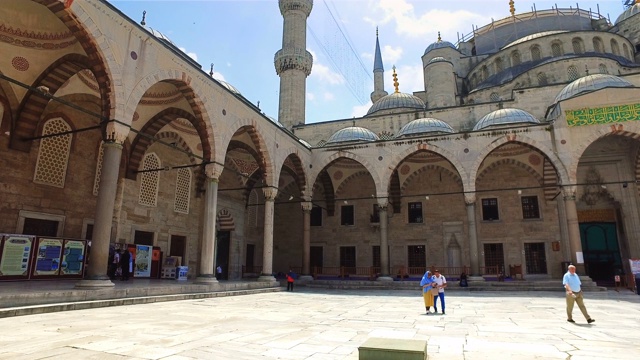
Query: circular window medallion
{"points": [[379, 158], [404, 170], [134, 55], [534, 159], [20, 63], [563, 142], [466, 151], [338, 175], [224, 112], [136, 116]]}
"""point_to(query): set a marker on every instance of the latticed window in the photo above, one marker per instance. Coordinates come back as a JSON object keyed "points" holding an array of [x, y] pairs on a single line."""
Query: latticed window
{"points": [[530, 209], [490, 209], [96, 180], [415, 213], [348, 256], [499, 66], [615, 49], [183, 191], [150, 180], [53, 155], [535, 53], [603, 69], [578, 46], [542, 79], [494, 97], [417, 256], [598, 46], [572, 73], [515, 58], [556, 49]]}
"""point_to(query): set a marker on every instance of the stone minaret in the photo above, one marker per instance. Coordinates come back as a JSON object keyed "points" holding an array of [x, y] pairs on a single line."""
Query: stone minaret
{"points": [[378, 74], [293, 62]]}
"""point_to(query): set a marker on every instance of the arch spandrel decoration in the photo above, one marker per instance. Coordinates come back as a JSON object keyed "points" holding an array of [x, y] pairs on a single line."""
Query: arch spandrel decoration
{"points": [[225, 221]]}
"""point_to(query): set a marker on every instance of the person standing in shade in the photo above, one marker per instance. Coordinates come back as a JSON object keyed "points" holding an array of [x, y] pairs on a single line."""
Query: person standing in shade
{"points": [[440, 284], [291, 276], [572, 283], [125, 257], [219, 272], [427, 285]]}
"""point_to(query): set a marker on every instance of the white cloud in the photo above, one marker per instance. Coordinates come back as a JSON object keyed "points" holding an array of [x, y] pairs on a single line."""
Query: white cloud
{"points": [[410, 79], [192, 55], [328, 96], [311, 96], [360, 110], [218, 76], [325, 76], [391, 55]]}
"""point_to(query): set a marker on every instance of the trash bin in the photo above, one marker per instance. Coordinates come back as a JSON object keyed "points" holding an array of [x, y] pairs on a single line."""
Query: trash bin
{"points": [[181, 272]]}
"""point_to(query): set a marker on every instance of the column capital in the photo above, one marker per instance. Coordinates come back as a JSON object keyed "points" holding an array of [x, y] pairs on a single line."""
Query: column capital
{"points": [[116, 132], [306, 206], [383, 203], [470, 198], [270, 193], [213, 170], [569, 193]]}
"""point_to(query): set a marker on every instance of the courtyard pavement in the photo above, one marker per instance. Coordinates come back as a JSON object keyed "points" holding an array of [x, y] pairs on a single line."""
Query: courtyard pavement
{"points": [[331, 324]]}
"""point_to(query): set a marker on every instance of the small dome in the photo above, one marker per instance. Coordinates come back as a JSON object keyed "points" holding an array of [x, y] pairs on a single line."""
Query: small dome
{"points": [[631, 10], [353, 133], [534, 36], [229, 87], [425, 125], [305, 143], [590, 83], [438, 59], [159, 35], [274, 120], [505, 117], [397, 100], [439, 45]]}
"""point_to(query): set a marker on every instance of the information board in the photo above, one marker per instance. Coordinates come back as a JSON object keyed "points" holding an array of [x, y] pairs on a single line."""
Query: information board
{"points": [[73, 257], [48, 256], [142, 266], [16, 253]]}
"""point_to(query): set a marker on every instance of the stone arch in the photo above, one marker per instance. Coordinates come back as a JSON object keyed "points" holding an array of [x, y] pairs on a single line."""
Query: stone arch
{"points": [[351, 177], [262, 153], [171, 136], [456, 178], [295, 163], [614, 129], [513, 138], [348, 155], [527, 168]]}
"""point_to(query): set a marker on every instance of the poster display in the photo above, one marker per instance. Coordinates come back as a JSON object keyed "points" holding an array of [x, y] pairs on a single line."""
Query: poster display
{"points": [[48, 257], [143, 261], [16, 251], [635, 266], [73, 257]]}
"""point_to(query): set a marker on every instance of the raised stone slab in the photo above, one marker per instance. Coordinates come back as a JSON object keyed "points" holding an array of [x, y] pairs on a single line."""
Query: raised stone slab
{"points": [[392, 349]]}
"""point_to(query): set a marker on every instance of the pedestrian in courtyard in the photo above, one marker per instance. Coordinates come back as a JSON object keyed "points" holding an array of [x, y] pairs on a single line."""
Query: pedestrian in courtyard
{"points": [[219, 272], [440, 284], [125, 257], [427, 286], [114, 264], [291, 276], [464, 282], [572, 283]]}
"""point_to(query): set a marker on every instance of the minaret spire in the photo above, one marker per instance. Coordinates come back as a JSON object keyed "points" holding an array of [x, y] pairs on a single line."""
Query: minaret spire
{"points": [[378, 74]]}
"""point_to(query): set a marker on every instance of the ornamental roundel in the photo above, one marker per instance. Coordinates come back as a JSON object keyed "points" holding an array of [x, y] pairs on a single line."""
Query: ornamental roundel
{"points": [[134, 55], [136, 116], [534, 159], [404, 170], [338, 175], [20, 63]]}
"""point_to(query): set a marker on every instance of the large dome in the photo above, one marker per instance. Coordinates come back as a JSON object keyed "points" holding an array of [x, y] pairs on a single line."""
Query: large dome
{"points": [[425, 125], [229, 87], [590, 83], [397, 100], [353, 133], [534, 36], [505, 117], [439, 45], [631, 10]]}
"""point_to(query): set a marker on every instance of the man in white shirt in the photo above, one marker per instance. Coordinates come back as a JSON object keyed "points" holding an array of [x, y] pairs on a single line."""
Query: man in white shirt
{"points": [[441, 283]]}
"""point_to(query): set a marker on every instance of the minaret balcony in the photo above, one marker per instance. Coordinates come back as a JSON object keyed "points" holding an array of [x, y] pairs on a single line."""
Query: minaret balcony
{"points": [[293, 58]]}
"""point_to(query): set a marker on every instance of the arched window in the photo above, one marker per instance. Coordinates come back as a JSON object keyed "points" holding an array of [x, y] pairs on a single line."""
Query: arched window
{"points": [[542, 79], [535, 53], [485, 72], [556, 49], [615, 49], [96, 179], [598, 45], [499, 66], [602, 68], [183, 191], [578, 46], [625, 48], [53, 155], [515, 58], [494, 97], [149, 180], [474, 81], [572, 73]]}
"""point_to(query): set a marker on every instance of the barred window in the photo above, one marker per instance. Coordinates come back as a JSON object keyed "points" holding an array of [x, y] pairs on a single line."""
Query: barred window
{"points": [[572, 73], [625, 48], [598, 46], [499, 66], [316, 216], [578, 46], [183, 191], [494, 97], [53, 155], [149, 180], [615, 49], [515, 58], [530, 209], [556, 49], [415, 213], [603, 69], [536, 53], [96, 180], [542, 79], [490, 209], [347, 215]]}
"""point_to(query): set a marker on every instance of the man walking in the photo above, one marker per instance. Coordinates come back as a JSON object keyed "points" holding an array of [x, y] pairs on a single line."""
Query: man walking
{"points": [[441, 283], [571, 282]]}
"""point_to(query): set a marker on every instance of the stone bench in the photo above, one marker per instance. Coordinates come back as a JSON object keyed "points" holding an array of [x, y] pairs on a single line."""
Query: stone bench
{"points": [[393, 349]]}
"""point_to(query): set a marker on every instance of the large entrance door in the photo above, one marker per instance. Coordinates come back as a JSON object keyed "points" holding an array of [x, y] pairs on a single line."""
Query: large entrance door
{"points": [[535, 258], [493, 258], [316, 258], [600, 250], [223, 240]]}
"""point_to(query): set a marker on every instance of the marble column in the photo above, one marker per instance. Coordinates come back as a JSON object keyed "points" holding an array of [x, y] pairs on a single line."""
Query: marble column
{"points": [[306, 237], [383, 204], [474, 258], [96, 276], [573, 228], [206, 273], [267, 254]]}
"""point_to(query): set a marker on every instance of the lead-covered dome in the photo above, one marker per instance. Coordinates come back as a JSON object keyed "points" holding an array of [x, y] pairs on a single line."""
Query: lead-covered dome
{"points": [[534, 36], [439, 45], [438, 59], [631, 10], [505, 117], [352, 133], [397, 100], [423, 126], [590, 83], [229, 86]]}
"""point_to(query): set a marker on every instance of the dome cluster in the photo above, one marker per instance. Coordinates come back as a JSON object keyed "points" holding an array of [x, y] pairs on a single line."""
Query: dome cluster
{"points": [[590, 83], [397, 100]]}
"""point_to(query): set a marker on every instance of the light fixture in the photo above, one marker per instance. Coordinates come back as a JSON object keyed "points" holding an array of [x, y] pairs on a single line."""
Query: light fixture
{"points": [[290, 197], [603, 186], [346, 202], [426, 197], [519, 192]]}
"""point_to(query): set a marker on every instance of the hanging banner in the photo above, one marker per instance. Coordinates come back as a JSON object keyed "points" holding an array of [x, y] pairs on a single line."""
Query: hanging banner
{"points": [[143, 261], [73, 258], [48, 257], [635, 266], [16, 253]]}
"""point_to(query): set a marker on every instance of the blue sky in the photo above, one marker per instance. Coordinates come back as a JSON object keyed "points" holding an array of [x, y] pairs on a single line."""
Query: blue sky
{"points": [[240, 38]]}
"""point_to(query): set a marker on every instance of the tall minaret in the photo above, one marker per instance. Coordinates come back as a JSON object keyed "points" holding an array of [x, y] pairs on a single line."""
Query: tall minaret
{"points": [[293, 62], [378, 74]]}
